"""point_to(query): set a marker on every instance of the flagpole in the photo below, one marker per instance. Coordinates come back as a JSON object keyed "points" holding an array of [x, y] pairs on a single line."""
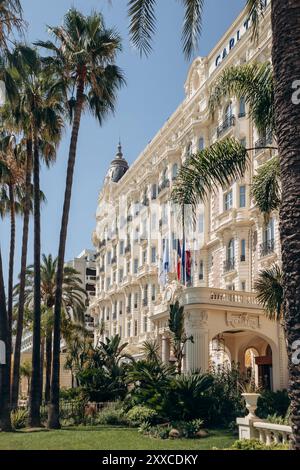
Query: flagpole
{"points": [[183, 246]]}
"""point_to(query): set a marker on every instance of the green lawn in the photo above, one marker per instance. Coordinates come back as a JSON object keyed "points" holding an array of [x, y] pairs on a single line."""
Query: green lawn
{"points": [[105, 438]]}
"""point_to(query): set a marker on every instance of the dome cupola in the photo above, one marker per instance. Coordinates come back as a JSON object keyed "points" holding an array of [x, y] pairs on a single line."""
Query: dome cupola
{"points": [[118, 166]]}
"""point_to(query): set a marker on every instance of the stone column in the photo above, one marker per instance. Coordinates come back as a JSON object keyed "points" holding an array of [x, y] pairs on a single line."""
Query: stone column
{"points": [[197, 353]]}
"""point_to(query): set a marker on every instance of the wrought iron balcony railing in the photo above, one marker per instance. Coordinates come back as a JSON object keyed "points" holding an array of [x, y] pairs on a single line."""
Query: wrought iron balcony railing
{"points": [[229, 265], [229, 122], [267, 248]]}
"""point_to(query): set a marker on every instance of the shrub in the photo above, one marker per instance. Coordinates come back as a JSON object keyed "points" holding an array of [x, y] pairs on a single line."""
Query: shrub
{"points": [[112, 417], [158, 431], [19, 418], [275, 419], [141, 414], [253, 444], [189, 429], [69, 394], [271, 403]]}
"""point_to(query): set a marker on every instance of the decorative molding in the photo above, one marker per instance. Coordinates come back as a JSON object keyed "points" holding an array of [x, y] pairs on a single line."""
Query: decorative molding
{"points": [[242, 320]]}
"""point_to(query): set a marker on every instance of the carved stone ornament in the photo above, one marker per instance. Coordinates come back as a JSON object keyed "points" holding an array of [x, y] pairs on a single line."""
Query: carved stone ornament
{"points": [[242, 320]]}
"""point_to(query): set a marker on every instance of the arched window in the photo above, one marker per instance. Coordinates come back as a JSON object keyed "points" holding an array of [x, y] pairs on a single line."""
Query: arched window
{"points": [[165, 174], [201, 144], [189, 149], [228, 113], [242, 107], [174, 171]]}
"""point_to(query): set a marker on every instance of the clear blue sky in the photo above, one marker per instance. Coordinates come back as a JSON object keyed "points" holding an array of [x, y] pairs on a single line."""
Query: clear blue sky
{"points": [[153, 92]]}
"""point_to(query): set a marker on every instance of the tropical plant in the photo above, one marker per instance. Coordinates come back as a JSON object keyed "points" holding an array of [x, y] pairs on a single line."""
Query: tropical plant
{"points": [[83, 58], [19, 418], [74, 298], [269, 288], [178, 334], [26, 371], [189, 395], [150, 350], [10, 19], [141, 414], [11, 181], [266, 187], [41, 101]]}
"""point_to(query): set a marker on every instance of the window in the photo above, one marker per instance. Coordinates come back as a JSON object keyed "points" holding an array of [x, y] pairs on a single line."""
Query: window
{"points": [[129, 303], [128, 329], [154, 191], [115, 310], [153, 292], [243, 142], [242, 107], [120, 307], [242, 202], [268, 234], [114, 277], [144, 257], [201, 270], [153, 254], [165, 175], [136, 299], [145, 324], [174, 171], [201, 144], [135, 266], [128, 268], [122, 247], [120, 331], [243, 285], [109, 257], [268, 245], [230, 250], [201, 223], [121, 274], [107, 313], [108, 282], [228, 201], [135, 327], [189, 149], [145, 299], [243, 250], [228, 114]]}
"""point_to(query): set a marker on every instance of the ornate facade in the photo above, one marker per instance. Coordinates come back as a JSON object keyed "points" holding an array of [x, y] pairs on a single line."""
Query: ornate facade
{"points": [[230, 245]]}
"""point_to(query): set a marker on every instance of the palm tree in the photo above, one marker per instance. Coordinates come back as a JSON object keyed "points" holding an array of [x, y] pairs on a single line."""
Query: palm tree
{"points": [[5, 422], [150, 350], [10, 19], [11, 181], [41, 101], [179, 337], [84, 60], [269, 288], [74, 301]]}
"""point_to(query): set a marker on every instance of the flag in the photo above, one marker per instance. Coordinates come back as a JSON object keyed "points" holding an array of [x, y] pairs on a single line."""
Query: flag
{"points": [[165, 269], [178, 260], [188, 266]]}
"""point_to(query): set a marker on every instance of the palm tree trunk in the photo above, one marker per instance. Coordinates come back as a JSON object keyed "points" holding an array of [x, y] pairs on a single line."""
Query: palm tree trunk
{"points": [[11, 271], [53, 416], [42, 367], [286, 62], [35, 388], [19, 332], [48, 364], [5, 423]]}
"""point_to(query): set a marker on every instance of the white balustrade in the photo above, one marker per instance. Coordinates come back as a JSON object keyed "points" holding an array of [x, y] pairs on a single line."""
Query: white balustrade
{"points": [[270, 433]]}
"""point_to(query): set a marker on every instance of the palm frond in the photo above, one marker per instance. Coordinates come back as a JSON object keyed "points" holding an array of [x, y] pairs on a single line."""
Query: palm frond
{"points": [[142, 24], [255, 9], [266, 189], [219, 164], [192, 25], [269, 288], [254, 83]]}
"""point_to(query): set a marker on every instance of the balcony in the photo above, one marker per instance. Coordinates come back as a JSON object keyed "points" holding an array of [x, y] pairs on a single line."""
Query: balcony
{"points": [[267, 248], [164, 185], [227, 124], [229, 265], [263, 142]]}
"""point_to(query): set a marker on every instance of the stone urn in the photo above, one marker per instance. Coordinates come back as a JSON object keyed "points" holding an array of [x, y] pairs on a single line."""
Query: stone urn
{"points": [[251, 403]]}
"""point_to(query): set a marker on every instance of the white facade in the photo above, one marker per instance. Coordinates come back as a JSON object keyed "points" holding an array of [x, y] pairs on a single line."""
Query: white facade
{"points": [[230, 245]]}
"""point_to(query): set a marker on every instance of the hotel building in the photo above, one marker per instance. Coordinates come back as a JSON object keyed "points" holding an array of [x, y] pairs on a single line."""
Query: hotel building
{"points": [[231, 243]]}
